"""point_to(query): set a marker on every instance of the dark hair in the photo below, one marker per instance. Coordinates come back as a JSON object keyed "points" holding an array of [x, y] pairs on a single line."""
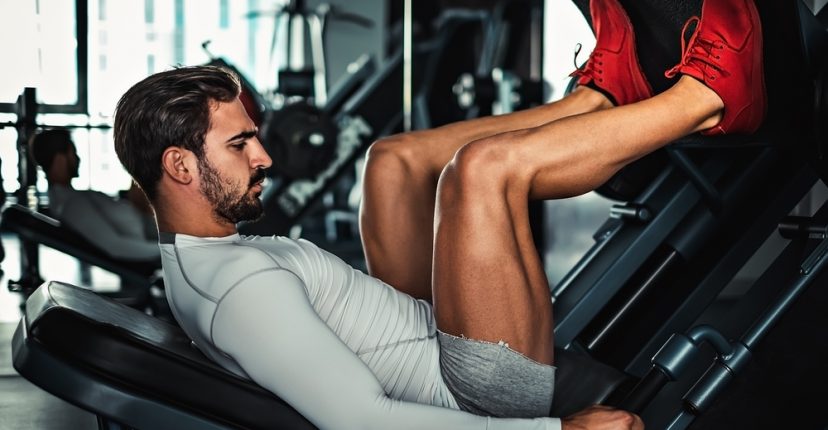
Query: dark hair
{"points": [[48, 143], [170, 108]]}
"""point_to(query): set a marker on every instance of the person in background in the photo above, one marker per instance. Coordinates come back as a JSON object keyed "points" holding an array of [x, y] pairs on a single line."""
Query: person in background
{"points": [[123, 228]]}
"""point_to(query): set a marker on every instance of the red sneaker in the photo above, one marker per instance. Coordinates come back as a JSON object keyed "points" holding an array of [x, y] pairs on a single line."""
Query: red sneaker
{"points": [[725, 53], [613, 65]]}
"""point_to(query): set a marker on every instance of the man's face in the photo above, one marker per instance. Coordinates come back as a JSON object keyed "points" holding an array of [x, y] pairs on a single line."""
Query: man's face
{"points": [[233, 166], [72, 161]]}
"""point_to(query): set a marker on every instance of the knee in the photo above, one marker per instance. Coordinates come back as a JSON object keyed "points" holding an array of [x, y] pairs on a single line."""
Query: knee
{"points": [[482, 166], [391, 155], [478, 171]]}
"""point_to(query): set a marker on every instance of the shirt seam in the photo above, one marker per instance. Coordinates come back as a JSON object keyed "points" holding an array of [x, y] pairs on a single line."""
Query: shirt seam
{"points": [[397, 343], [187, 278]]}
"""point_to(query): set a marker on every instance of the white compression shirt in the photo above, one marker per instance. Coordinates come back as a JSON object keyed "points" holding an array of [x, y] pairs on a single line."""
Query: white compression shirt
{"points": [[113, 225], [343, 348]]}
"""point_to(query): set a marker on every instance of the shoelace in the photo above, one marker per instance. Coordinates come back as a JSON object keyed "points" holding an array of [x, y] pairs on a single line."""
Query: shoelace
{"points": [[591, 67], [700, 49]]}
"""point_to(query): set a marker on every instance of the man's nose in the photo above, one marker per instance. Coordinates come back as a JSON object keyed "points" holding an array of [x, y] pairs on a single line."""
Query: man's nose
{"points": [[259, 158]]}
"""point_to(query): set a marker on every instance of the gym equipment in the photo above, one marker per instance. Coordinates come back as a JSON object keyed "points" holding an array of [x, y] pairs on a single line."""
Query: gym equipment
{"points": [[42, 229], [300, 138], [494, 86], [503, 91], [135, 371], [86, 126], [132, 370], [488, 63], [670, 223], [145, 287], [814, 31], [820, 159], [666, 254], [26, 108], [674, 358], [305, 30]]}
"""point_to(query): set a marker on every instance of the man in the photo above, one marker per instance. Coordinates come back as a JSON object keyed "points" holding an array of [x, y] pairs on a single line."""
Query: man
{"points": [[348, 350], [123, 228]]}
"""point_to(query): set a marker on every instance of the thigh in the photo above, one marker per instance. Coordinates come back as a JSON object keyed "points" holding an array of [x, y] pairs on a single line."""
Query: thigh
{"points": [[488, 281]]}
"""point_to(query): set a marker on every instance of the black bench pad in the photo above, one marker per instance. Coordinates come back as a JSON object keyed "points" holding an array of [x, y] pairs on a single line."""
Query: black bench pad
{"points": [[134, 369]]}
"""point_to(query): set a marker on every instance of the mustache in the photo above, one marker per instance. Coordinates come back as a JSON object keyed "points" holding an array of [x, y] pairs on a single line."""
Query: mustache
{"points": [[258, 176]]}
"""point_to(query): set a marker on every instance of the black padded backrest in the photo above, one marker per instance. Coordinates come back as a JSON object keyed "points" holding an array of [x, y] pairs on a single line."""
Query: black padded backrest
{"points": [[130, 351], [39, 228]]}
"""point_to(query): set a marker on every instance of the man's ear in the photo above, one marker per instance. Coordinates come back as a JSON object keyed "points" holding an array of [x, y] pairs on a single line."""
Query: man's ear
{"points": [[175, 162]]}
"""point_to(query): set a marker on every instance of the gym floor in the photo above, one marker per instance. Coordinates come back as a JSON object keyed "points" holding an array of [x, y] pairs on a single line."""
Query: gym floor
{"points": [[24, 406]]}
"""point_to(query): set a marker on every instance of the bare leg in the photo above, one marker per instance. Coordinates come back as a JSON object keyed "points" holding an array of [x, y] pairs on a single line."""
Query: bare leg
{"points": [[488, 281], [397, 212]]}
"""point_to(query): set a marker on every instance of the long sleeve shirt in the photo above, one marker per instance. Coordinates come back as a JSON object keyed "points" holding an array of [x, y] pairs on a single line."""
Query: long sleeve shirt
{"points": [[343, 348]]}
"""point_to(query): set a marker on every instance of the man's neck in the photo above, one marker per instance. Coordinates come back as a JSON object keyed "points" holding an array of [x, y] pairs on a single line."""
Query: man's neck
{"points": [[179, 220], [62, 180]]}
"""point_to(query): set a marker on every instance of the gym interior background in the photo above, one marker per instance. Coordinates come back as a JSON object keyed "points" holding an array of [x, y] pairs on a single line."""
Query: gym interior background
{"points": [[66, 63]]}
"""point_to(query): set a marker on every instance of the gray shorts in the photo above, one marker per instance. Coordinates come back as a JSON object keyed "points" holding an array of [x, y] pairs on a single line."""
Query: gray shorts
{"points": [[492, 379]]}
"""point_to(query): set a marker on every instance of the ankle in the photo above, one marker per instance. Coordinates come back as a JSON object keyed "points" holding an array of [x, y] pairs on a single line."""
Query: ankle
{"points": [[592, 100], [710, 106]]}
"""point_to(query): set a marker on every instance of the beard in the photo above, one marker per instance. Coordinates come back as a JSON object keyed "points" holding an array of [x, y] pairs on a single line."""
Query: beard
{"points": [[231, 202]]}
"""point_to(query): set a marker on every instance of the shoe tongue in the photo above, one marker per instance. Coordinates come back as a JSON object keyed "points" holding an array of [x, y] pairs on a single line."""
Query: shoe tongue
{"points": [[610, 34], [727, 22]]}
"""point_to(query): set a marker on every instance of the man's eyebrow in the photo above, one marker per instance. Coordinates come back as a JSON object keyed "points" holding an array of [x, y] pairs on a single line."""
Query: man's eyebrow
{"points": [[243, 135]]}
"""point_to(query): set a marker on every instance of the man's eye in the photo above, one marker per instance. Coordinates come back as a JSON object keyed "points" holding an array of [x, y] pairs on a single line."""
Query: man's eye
{"points": [[239, 146]]}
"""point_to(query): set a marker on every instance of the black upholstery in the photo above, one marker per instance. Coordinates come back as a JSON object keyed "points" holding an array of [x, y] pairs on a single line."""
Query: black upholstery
{"points": [[134, 369], [142, 372], [581, 382], [42, 229]]}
